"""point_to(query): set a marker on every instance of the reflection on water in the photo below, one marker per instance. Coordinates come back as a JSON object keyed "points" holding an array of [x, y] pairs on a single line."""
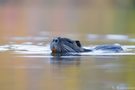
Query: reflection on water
{"points": [[31, 66], [65, 60]]}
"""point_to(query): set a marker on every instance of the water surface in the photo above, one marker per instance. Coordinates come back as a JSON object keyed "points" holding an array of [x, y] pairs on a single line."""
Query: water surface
{"points": [[29, 65]]}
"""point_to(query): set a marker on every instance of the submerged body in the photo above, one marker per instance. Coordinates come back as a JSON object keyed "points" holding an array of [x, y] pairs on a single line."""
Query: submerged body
{"points": [[65, 45]]}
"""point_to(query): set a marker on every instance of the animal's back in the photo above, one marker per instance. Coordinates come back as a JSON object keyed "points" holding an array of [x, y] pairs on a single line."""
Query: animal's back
{"points": [[65, 45], [109, 48]]}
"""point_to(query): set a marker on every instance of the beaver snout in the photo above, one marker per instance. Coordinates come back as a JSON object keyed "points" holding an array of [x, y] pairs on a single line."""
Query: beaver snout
{"points": [[55, 45], [65, 45]]}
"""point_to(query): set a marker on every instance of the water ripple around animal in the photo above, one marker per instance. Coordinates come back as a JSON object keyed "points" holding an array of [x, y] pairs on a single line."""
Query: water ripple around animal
{"points": [[45, 50]]}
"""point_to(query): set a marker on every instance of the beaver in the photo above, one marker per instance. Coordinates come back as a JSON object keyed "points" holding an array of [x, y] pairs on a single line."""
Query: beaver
{"points": [[66, 45]]}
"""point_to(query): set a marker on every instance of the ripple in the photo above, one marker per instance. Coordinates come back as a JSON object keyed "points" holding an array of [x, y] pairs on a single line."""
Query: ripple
{"points": [[4, 48], [29, 48]]}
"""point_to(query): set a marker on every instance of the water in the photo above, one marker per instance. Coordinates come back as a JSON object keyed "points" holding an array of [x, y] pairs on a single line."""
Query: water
{"points": [[26, 64]]}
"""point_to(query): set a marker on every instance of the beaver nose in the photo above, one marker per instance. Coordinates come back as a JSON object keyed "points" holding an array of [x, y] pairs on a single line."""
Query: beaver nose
{"points": [[54, 50]]}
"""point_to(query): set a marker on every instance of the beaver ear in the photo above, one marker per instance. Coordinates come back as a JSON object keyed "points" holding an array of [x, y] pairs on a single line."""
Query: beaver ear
{"points": [[78, 43]]}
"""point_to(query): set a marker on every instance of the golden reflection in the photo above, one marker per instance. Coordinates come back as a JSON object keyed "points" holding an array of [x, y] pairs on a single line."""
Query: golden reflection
{"points": [[21, 79], [131, 73], [71, 73], [6, 72], [74, 82]]}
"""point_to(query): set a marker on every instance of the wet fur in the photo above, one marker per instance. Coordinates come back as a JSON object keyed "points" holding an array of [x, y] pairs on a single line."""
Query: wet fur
{"points": [[65, 45]]}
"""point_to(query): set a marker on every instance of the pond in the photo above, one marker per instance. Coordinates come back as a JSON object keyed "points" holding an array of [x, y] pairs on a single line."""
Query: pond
{"points": [[26, 63]]}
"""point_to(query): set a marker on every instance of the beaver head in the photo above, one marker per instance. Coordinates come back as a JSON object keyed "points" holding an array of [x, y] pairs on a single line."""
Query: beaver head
{"points": [[65, 45]]}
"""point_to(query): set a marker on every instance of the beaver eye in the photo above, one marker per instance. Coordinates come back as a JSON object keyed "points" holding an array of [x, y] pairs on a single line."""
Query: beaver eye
{"points": [[55, 40]]}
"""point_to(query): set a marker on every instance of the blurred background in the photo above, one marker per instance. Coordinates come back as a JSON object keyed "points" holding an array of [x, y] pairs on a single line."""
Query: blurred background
{"points": [[59, 17], [27, 21]]}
